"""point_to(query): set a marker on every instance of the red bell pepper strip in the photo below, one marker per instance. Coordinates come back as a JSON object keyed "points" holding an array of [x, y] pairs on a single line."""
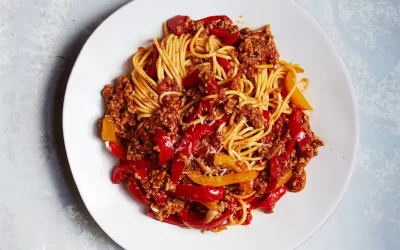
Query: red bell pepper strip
{"points": [[218, 32], [193, 221], [275, 167], [267, 116], [191, 80], [211, 85], [177, 170], [186, 146], [218, 123], [277, 163], [225, 64], [151, 68], [176, 24], [116, 150], [296, 128], [231, 38], [160, 198], [211, 19], [164, 143], [199, 193], [142, 163], [269, 203], [140, 167], [197, 112], [191, 137], [137, 192], [173, 219]]}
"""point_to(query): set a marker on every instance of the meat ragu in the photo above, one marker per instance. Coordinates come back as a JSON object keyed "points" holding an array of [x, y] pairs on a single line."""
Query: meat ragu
{"points": [[208, 127]]}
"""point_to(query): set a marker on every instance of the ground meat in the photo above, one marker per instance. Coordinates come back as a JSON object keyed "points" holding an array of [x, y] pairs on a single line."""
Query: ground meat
{"points": [[298, 180], [230, 105], [167, 85], [170, 115], [138, 150], [268, 151], [258, 47], [207, 147], [255, 48], [260, 184], [172, 206], [252, 114], [159, 179], [120, 108]]}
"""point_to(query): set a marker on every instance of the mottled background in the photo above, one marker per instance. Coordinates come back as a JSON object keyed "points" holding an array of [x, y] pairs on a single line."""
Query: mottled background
{"points": [[40, 207]]}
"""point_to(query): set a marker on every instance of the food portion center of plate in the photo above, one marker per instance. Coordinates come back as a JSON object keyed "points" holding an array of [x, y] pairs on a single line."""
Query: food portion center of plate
{"points": [[210, 124]]}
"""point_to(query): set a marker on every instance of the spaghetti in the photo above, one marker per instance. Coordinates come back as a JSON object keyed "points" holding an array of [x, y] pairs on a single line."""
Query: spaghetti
{"points": [[211, 124]]}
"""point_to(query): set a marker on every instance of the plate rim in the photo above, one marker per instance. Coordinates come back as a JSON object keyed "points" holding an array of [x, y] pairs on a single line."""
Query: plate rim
{"points": [[356, 136]]}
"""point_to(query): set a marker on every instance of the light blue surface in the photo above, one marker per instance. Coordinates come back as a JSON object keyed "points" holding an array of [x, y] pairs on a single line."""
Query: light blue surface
{"points": [[40, 207]]}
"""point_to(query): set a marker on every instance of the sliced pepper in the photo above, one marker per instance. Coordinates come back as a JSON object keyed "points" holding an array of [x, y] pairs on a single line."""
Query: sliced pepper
{"points": [[269, 203], [296, 128], [124, 169], [231, 38], [211, 19], [116, 150], [151, 68], [159, 198], [247, 187], [178, 166], [277, 163], [191, 80], [137, 192], [297, 97], [225, 64], [191, 137], [198, 193], [108, 131], [219, 181], [164, 143], [267, 117], [226, 161], [282, 180], [176, 24], [193, 221], [219, 32], [275, 167], [185, 148], [211, 205], [218, 123], [197, 112]]}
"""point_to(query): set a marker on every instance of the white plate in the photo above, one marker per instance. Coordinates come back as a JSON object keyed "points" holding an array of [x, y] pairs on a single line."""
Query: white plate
{"points": [[299, 38]]}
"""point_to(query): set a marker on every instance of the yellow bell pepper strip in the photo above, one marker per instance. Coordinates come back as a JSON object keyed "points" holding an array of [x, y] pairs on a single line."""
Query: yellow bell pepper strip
{"points": [[219, 181], [297, 97], [226, 161], [210, 205], [247, 187], [109, 130]]}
